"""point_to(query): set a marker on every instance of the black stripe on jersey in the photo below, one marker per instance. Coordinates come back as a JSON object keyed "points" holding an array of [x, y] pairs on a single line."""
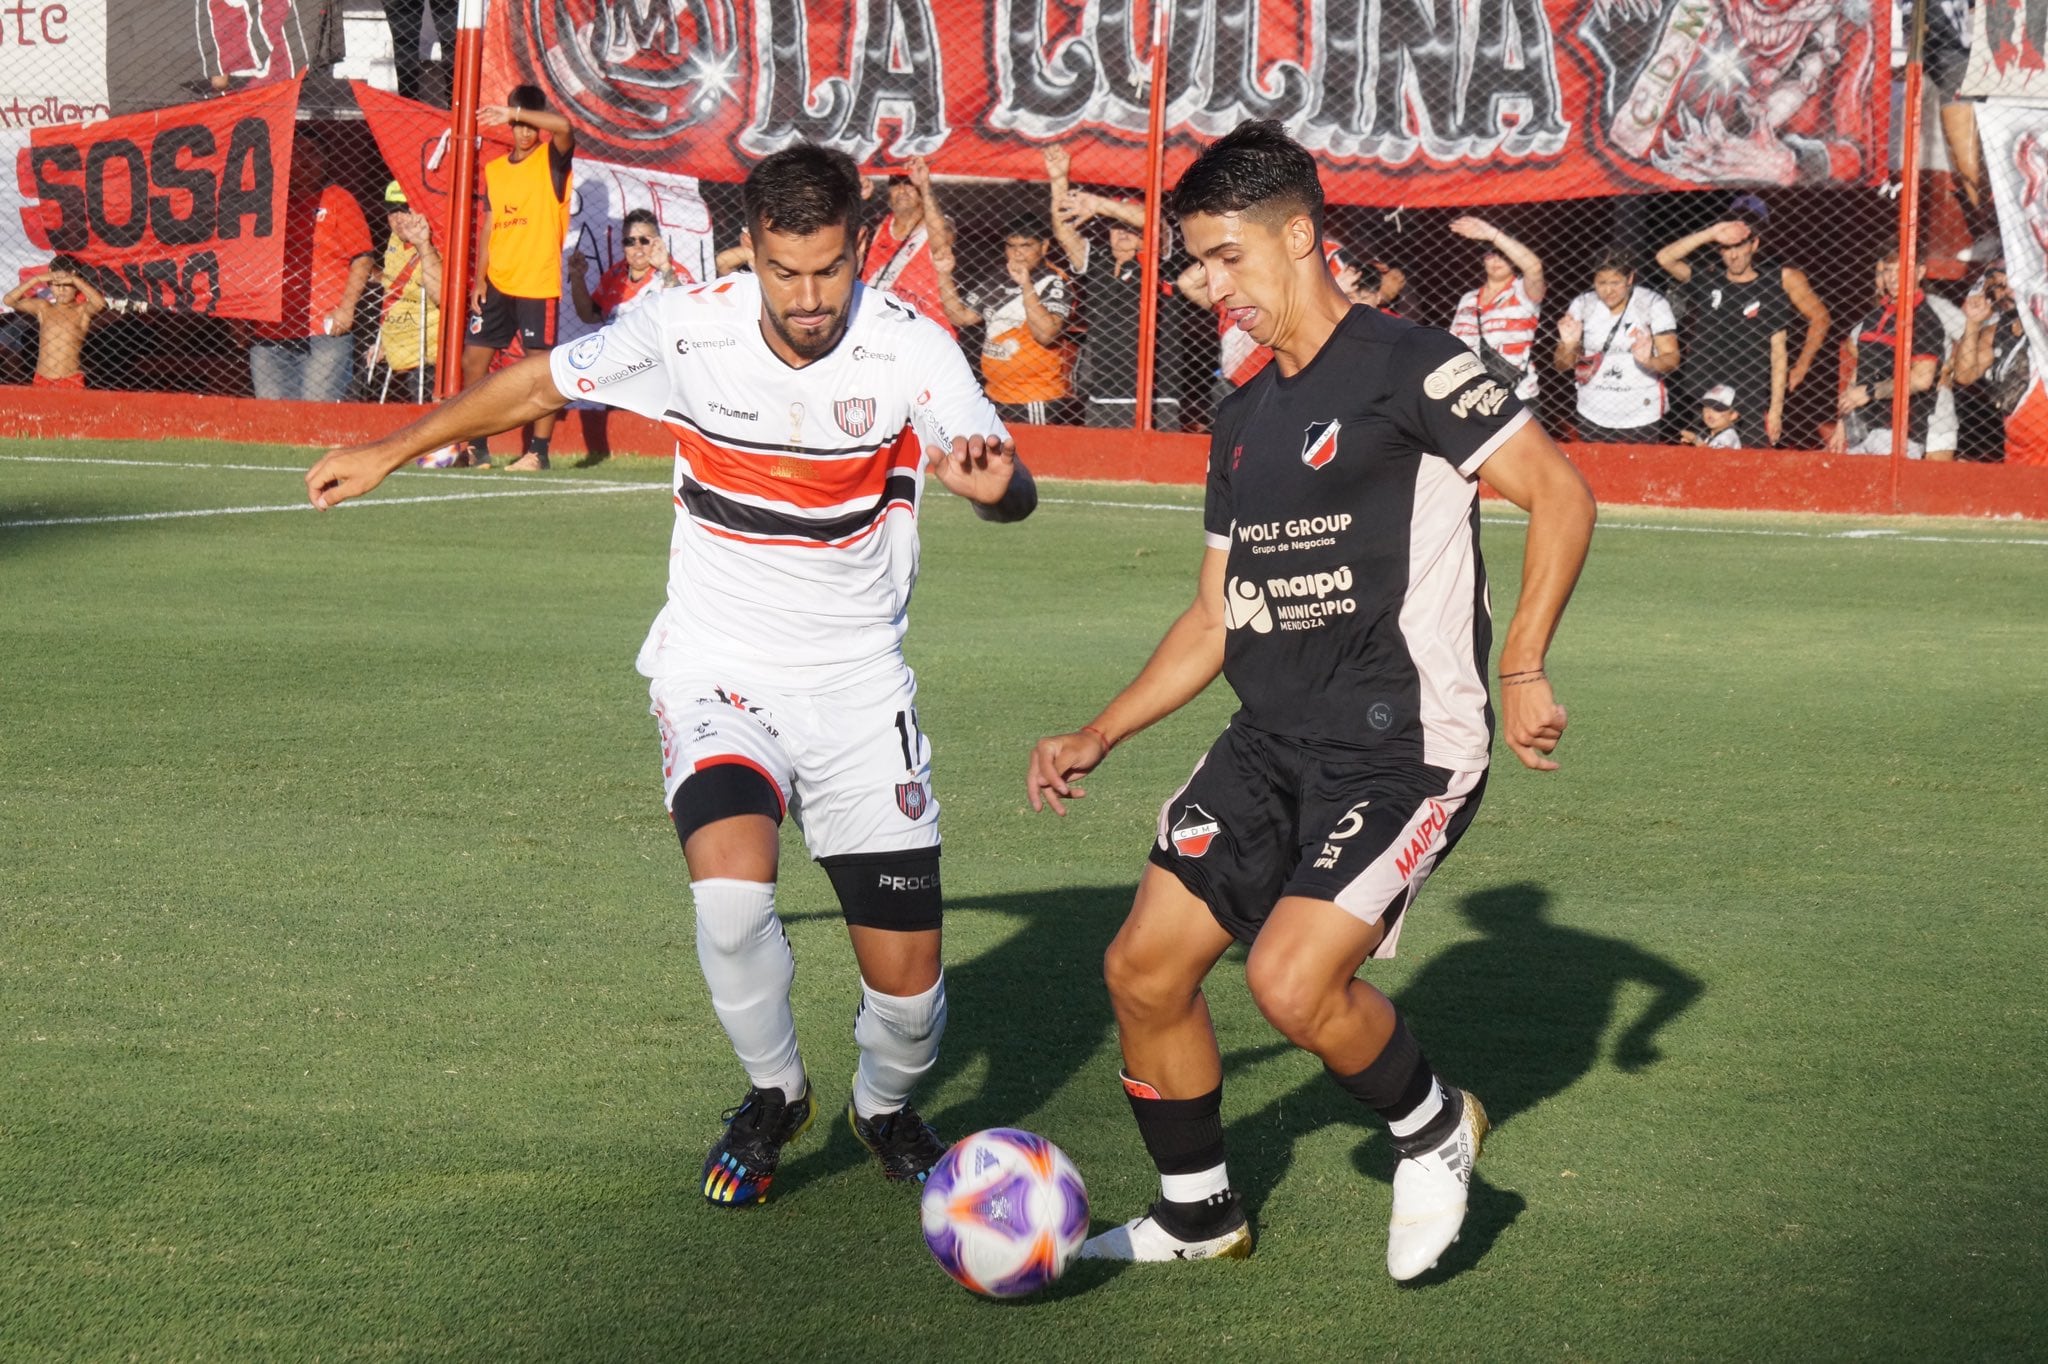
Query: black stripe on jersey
{"points": [[720, 510], [800, 451]]}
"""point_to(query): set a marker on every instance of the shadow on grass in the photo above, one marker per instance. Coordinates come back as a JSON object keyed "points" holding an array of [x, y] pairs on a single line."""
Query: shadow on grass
{"points": [[1518, 1015], [1050, 969]]}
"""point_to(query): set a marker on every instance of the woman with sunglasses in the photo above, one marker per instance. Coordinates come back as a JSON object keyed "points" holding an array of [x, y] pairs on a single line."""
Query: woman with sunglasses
{"points": [[644, 265]]}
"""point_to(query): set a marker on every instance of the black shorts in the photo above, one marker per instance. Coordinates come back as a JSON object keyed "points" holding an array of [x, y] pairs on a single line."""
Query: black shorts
{"points": [[1263, 817], [504, 315]]}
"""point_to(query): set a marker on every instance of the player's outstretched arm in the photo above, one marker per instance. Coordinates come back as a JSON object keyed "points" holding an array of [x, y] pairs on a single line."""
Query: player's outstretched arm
{"points": [[1186, 661], [1531, 472], [512, 397]]}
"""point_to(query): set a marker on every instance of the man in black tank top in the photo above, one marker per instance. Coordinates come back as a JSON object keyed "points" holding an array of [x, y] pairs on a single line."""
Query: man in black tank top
{"points": [[1343, 595], [1737, 316]]}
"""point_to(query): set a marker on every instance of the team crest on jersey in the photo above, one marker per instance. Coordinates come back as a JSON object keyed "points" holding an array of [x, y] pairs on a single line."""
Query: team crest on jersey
{"points": [[1194, 831], [856, 417], [911, 799], [1319, 446]]}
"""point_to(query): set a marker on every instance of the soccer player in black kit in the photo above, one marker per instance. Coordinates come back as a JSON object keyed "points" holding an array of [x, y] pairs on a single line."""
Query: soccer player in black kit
{"points": [[1343, 596]]}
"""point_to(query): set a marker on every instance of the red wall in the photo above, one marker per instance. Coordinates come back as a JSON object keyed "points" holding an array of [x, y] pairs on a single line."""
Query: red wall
{"points": [[1646, 475]]}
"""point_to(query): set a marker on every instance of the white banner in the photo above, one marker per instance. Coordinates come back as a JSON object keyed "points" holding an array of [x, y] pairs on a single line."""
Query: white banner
{"points": [[2015, 138], [53, 62], [605, 192]]}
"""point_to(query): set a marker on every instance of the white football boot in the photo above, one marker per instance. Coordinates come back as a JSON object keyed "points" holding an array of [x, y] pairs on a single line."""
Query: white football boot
{"points": [[1143, 1239], [1429, 1196]]}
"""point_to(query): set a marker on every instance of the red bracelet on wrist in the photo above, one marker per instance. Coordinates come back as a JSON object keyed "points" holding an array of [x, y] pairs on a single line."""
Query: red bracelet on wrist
{"points": [[1106, 744]]}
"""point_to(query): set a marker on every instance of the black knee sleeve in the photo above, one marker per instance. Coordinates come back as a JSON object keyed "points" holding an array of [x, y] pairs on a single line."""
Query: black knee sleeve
{"points": [[720, 792], [894, 890]]}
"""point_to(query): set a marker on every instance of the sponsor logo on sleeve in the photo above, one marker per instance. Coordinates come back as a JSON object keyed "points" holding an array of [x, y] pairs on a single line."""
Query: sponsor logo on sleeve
{"points": [[584, 353], [1484, 400], [1194, 831], [1244, 607], [590, 385], [1452, 375], [870, 353], [1319, 443]]}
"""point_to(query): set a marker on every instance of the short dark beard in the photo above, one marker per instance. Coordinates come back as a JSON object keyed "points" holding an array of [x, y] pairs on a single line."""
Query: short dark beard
{"points": [[831, 337]]}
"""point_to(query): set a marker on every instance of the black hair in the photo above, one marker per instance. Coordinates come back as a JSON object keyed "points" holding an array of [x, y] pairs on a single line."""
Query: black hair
{"points": [[802, 189], [531, 98], [1027, 225], [66, 264], [640, 215], [1255, 168], [1615, 259]]}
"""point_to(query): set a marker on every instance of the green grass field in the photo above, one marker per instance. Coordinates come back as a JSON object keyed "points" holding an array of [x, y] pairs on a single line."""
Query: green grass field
{"points": [[349, 1008]]}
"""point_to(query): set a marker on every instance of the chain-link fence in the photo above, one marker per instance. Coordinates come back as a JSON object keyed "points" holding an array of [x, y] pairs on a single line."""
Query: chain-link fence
{"points": [[1664, 220]]}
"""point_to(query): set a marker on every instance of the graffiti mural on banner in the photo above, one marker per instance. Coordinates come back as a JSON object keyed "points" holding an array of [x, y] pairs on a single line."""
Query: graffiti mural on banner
{"points": [[53, 62], [1548, 98], [2008, 50], [182, 208]]}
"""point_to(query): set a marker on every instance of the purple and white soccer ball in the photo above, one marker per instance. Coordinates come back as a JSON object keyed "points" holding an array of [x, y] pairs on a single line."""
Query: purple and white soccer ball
{"points": [[1004, 1211]]}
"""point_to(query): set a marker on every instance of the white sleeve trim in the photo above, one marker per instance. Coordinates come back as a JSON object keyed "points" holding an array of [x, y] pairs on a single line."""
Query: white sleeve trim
{"points": [[1478, 457], [1215, 541]]}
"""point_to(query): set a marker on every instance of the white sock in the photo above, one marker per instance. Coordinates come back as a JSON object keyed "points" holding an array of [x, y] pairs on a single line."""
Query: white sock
{"points": [[749, 967], [1422, 1115], [899, 1040], [1197, 1187]]}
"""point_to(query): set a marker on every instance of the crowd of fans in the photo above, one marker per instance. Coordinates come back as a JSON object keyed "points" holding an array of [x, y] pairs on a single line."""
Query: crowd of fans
{"points": [[1706, 351]]}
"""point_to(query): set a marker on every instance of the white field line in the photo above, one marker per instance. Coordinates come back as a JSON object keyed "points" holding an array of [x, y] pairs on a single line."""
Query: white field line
{"points": [[455, 474], [1493, 518], [568, 490]]}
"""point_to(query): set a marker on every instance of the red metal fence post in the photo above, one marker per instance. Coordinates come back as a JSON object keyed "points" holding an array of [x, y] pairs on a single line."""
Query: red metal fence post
{"points": [[461, 228], [1909, 253], [1155, 188]]}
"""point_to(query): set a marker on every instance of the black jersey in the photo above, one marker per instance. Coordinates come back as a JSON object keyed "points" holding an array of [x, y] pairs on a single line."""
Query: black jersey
{"points": [[1356, 597]]}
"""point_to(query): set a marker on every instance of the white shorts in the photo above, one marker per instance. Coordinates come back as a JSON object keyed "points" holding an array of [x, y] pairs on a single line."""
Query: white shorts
{"points": [[851, 766], [1879, 442]]}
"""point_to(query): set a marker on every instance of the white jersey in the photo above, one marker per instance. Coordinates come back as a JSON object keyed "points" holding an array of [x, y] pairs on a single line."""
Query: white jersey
{"points": [[796, 490], [1508, 325], [1620, 394]]}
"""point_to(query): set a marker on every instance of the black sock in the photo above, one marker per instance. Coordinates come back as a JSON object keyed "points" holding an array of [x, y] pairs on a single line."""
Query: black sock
{"points": [[1399, 1082], [1185, 1137]]}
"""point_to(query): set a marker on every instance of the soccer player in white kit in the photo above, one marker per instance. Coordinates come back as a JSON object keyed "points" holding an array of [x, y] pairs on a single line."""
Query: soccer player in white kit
{"points": [[805, 408]]}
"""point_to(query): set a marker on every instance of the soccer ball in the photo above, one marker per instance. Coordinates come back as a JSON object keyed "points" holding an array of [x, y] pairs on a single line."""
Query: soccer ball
{"points": [[1004, 1211], [437, 459]]}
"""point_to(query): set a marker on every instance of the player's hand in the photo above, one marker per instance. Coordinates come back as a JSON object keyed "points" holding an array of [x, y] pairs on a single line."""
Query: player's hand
{"points": [[1056, 762], [1571, 331], [1478, 229], [1532, 722], [494, 114], [345, 472], [476, 297], [978, 468]]}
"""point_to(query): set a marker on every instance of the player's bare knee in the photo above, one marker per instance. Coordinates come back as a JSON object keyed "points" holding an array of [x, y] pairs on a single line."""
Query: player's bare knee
{"points": [[1297, 1003], [1139, 990]]}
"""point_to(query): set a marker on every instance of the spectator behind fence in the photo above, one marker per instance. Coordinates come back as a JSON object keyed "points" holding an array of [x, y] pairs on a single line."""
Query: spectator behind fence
{"points": [[1865, 427], [1737, 316], [62, 320], [1618, 342], [308, 354], [1718, 415], [1113, 287], [1944, 60], [905, 243], [1993, 351], [409, 335], [1943, 426], [1023, 316], [641, 272], [1498, 319], [518, 283]]}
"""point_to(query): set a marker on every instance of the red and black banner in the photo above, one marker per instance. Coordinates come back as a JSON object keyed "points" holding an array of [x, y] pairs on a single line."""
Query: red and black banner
{"points": [[417, 144], [182, 209], [1406, 102]]}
